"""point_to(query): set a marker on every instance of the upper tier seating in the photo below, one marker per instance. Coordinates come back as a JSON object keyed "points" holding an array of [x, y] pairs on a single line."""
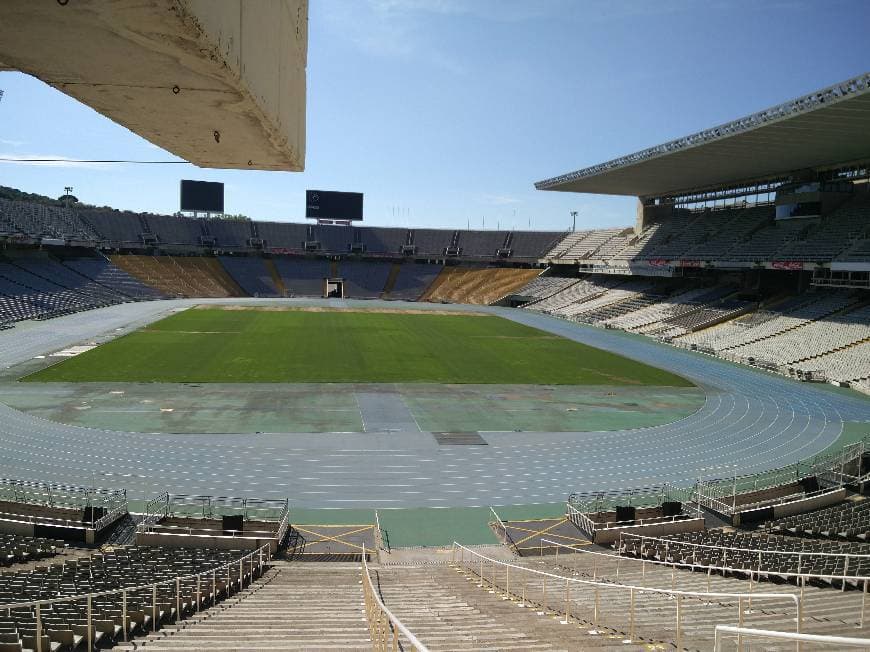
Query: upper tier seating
{"points": [[832, 235], [227, 233], [38, 220], [122, 227], [582, 244], [174, 230], [481, 243], [283, 235], [533, 244]]}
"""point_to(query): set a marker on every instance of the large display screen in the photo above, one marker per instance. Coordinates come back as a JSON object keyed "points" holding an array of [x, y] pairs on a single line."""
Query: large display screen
{"points": [[330, 205], [202, 196]]}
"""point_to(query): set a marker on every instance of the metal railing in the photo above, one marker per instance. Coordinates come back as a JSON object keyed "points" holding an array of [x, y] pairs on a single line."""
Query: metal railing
{"points": [[208, 507], [754, 574], [741, 632], [724, 551], [384, 627], [255, 562], [525, 589]]}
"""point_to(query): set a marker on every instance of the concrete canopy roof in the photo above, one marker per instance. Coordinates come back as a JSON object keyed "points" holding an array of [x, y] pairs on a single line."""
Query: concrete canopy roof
{"points": [[826, 129], [218, 83]]}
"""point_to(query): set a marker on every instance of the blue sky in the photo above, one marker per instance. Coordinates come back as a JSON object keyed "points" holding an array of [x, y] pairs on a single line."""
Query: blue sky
{"points": [[445, 112]]}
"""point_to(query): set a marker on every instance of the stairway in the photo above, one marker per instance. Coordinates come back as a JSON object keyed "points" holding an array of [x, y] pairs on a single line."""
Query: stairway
{"points": [[391, 280], [445, 612], [276, 277], [295, 606]]}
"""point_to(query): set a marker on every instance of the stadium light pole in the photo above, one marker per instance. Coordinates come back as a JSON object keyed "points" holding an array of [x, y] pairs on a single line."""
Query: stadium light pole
{"points": [[574, 221]]}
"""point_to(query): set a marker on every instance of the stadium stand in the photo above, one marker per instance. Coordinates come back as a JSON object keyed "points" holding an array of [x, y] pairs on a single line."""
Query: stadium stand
{"points": [[849, 520], [117, 615], [302, 277], [121, 227], [37, 220], [100, 270], [187, 276], [483, 285], [364, 280], [728, 227], [282, 235], [542, 287], [19, 549], [228, 233], [412, 280], [251, 274], [748, 550]]}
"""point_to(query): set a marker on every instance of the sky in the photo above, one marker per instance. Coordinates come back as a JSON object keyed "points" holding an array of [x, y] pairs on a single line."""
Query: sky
{"points": [[445, 112]]}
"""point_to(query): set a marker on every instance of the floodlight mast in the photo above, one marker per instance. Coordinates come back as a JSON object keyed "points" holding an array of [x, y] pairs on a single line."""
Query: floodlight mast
{"points": [[574, 221]]}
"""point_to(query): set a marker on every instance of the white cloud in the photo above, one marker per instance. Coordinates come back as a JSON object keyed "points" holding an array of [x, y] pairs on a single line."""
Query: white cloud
{"points": [[12, 143]]}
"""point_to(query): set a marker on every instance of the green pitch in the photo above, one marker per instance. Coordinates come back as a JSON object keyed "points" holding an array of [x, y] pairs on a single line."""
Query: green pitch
{"points": [[297, 346]]}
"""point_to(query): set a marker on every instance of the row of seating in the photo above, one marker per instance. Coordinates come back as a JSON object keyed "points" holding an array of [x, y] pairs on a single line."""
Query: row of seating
{"points": [[773, 556], [20, 549], [849, 521], [127, 228], [735, 233], [64, 624]]}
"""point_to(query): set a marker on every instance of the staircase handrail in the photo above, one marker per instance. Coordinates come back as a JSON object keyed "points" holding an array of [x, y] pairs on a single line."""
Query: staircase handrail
{"points": [[382, 622]]}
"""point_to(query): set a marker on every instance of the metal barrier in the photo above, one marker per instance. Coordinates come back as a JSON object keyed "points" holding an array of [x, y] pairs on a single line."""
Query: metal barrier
{"points": [[384, 627], [740, 632], [801, 579], [724, 550], [254, 561], [478, 564]]}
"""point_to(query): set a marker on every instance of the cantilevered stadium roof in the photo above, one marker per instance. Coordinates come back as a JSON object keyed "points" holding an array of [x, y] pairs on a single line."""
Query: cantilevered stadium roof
{"points": [[826, 129]]}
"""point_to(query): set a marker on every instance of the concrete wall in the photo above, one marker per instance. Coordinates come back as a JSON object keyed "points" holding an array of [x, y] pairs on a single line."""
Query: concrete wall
{"points": [[176, 72], [608, 536], [196, 541]]}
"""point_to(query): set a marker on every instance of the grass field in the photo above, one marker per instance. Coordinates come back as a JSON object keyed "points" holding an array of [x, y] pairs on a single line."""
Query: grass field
{"points": [[296, 346]]}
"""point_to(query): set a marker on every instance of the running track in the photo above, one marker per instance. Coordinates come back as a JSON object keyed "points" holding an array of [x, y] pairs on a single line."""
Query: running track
{"points": [[751, 419]]}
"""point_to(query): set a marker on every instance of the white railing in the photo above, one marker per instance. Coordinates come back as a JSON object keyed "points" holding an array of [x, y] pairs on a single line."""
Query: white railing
{"points": [[477, 564], [754, 574], [384, 627], [583, 522], [740, 632], [254, 561]]}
